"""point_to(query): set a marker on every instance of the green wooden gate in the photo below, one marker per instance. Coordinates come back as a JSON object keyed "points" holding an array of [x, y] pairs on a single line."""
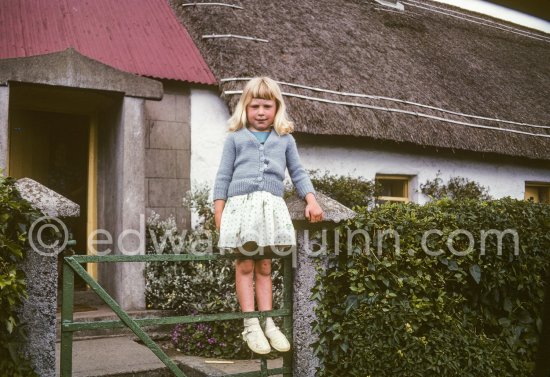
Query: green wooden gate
{"points": [[72, 265]]}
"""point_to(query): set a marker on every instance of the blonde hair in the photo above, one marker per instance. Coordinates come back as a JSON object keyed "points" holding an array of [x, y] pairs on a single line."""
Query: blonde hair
{"points": [[263, 88]]}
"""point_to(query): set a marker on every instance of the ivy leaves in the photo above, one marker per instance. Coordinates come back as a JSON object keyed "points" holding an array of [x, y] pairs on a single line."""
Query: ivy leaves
{"points": [[16, 215]]}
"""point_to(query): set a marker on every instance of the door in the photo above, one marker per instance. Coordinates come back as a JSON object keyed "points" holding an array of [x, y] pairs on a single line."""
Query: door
{"points": [[52, 148]]}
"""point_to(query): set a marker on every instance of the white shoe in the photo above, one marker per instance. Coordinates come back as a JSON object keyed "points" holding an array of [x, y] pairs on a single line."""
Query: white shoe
{"points": [[277, 339], [256, 340]]}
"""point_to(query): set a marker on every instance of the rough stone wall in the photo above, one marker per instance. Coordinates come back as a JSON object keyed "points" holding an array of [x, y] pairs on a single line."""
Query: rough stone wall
{"points": [[168, 153], [38, 312], [305, 363], [310, 253], [40, 266]]}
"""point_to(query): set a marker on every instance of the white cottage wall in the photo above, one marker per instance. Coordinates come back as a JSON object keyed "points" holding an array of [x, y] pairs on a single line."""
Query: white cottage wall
{"points": [[209, 115], [501, 179], [208, 129]]}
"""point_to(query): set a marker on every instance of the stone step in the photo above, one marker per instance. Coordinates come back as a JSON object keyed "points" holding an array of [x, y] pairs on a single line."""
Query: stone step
{"points": [[83, 297], [97, 313], [122, 357]]}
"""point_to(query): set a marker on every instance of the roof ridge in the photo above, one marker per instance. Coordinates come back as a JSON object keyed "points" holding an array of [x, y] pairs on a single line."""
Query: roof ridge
{"points": [[464, 12]]}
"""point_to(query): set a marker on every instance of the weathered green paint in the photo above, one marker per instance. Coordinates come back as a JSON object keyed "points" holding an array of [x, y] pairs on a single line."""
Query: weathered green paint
{"points": [[68, 326], [125, 317], [160, 257], [269, 372], [67, 317], [263, 367], [79, 326], [287, 320]]}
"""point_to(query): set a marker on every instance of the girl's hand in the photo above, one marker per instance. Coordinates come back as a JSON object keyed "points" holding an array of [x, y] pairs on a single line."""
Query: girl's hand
{"points": [[313, 212], [218, 210]]}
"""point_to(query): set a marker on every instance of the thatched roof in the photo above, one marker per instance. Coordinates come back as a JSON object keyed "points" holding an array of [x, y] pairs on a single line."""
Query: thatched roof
{"points": [[418, 55]]}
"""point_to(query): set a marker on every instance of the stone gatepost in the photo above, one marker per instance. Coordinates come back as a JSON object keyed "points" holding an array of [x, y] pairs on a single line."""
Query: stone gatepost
{"points": [[40, 266], [305, 363]]}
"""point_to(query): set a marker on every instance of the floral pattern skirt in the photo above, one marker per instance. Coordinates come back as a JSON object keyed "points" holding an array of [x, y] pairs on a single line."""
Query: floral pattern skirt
{"points": [[259, 217]]}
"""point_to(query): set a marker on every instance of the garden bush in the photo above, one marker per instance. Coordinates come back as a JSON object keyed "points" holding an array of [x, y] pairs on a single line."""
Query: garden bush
{"points": [[193, 288], [456, 188], [16, 216], [411, 313], [348, 190]]}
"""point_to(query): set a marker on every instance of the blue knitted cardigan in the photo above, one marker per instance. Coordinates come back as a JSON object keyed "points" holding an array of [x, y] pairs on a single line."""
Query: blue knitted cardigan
{"points": [[247, 165]]}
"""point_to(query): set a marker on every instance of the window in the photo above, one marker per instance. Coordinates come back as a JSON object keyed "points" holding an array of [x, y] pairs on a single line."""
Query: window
{"points": [[537, 192], [395, 188]]}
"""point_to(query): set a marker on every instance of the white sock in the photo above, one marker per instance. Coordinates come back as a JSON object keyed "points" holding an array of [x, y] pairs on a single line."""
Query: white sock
{"points": [[269, 324], [250, 322]]}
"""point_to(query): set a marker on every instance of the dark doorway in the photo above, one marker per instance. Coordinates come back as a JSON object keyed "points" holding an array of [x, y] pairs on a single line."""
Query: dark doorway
{"points": [[52, 149]]}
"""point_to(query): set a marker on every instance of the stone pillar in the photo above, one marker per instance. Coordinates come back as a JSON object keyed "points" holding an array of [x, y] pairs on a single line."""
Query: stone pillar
{"points": [[303, 314], [4, 127], [121, 200], [40, 267], [308, 256], [130, 283]]}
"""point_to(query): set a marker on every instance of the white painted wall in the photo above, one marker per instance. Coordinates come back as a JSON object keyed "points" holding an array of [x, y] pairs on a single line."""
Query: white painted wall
{"points": [[501, 179], [209, 115], [208, 129]]}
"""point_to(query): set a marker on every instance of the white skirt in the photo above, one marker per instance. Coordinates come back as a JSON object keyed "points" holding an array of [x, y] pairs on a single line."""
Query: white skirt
{"points": [[259, 217]]}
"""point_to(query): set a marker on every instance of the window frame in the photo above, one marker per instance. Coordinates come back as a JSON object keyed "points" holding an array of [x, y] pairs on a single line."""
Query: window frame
{"points": [[537, 185], [396, 177]]}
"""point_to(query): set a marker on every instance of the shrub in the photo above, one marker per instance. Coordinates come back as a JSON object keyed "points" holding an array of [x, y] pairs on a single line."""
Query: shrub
{"points": [[193, 288], [209, 339], [348, 190], [16, 216], [456, 188], [412, 314]]}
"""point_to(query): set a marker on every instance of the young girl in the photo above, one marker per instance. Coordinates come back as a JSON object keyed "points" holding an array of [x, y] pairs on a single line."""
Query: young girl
{"points": [[248, 199]]}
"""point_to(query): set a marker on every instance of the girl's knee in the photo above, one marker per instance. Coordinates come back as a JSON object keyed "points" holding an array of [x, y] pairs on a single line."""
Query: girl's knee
{"points": [[263, 267], [244, 266]]}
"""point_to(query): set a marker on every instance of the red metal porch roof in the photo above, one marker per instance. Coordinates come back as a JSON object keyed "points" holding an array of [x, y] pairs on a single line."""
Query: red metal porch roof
{"points": [[138, 36]]}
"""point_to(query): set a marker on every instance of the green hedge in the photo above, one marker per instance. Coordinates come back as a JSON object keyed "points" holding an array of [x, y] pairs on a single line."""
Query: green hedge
{"points": [[16, 215], [412, 314], [349, 191], [455, 188]]}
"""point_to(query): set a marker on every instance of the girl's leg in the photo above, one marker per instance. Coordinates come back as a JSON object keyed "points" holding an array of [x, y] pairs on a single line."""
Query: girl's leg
{"points": [[264, 293], [252, 334], [244, 269]]}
